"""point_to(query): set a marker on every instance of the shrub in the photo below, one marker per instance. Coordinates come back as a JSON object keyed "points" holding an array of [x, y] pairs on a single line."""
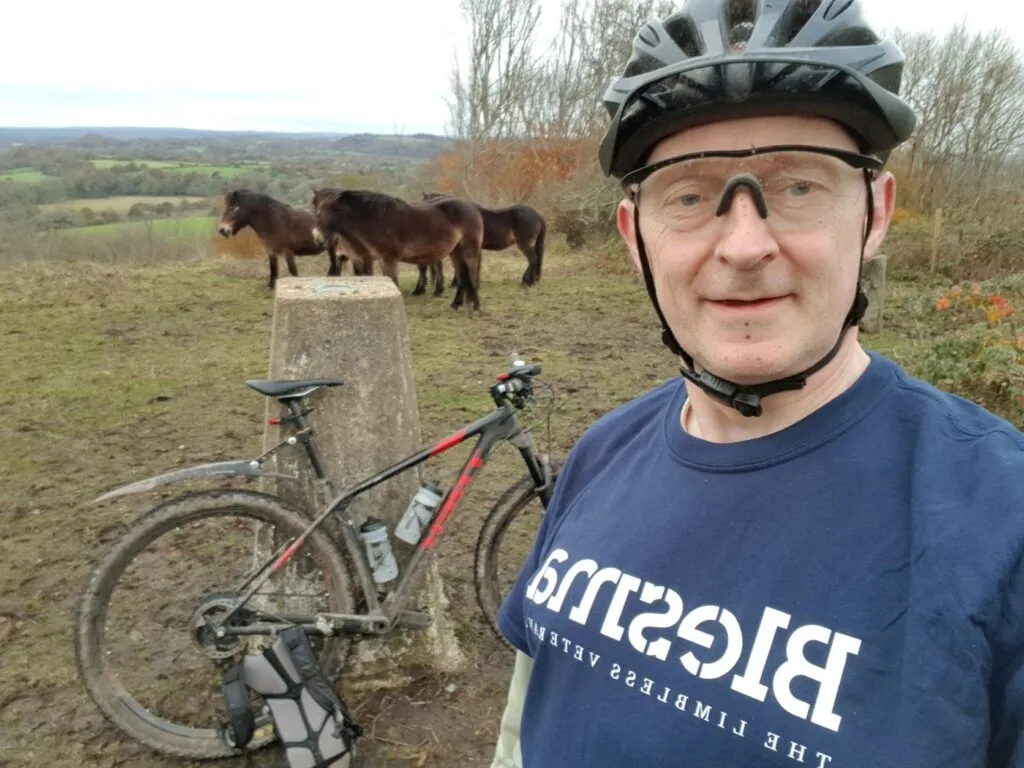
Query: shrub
{"points": [[979, 350]]}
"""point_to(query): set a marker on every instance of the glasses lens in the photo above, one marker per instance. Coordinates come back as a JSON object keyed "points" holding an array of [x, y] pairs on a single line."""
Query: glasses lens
{"points": [[800, 189]]}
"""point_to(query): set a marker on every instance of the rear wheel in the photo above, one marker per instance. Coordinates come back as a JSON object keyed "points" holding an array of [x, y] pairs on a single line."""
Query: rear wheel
{"points": [[504, 543], [143, 649]]}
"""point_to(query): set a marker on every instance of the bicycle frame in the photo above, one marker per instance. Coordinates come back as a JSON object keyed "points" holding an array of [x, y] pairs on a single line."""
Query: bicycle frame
{"points": [[500, 425]]}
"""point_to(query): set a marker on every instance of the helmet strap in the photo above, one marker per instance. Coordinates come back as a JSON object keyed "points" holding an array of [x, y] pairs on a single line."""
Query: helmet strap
{"points": [[747, 398]]}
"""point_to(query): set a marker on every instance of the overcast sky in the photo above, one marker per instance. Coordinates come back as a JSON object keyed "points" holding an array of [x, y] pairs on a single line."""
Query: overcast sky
{"points": [[346, 65]]}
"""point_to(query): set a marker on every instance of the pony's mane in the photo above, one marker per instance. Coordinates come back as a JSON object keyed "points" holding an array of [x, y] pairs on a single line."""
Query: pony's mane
{"points": [[368, 203], [258, 199]]}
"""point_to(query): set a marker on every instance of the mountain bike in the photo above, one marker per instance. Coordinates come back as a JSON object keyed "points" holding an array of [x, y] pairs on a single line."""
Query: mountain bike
{"points": [[294, 567]]}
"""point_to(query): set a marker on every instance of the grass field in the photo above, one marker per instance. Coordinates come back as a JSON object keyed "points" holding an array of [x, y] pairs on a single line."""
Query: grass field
{"points": [[117, 372], [105, 163], [23, 175], [223, 170], [186, 225], [32, 176], [121, 203]]}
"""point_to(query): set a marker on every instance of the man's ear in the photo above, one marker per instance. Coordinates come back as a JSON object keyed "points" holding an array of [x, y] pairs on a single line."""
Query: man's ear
{"points": [[884, 189], [625, 220]]}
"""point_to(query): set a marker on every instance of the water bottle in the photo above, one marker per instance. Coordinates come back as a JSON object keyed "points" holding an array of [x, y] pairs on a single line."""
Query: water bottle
{"points": [[374, 534], [419, 513]]}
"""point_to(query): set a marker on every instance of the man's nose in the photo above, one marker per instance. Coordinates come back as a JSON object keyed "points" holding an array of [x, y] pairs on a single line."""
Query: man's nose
{"points": [[746, 238]]}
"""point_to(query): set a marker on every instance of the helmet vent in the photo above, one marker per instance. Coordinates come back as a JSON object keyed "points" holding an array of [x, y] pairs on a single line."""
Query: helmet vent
{"points": [[739, 21], [649, 36], [850, 36], [794, 19], [641, 63], [684, 34], [836, 7]]}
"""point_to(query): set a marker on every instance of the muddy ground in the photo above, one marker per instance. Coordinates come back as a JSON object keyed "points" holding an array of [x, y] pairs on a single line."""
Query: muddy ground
{"points": [[114, 373]]}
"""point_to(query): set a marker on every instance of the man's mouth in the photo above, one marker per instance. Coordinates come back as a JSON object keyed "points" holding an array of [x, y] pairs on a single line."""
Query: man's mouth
{"points": [[749, 302], [748, 305]]}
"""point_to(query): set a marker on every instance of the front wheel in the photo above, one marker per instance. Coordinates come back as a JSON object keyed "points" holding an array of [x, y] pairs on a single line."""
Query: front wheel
{"points": [[144, 650], [504, 543]]}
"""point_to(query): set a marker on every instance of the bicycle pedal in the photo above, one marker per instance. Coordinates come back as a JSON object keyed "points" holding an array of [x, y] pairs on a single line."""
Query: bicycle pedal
{"points": [[414, 619]]}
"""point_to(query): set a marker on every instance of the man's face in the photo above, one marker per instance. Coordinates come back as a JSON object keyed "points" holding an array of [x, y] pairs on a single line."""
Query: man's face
{"points": [[754, 299]]}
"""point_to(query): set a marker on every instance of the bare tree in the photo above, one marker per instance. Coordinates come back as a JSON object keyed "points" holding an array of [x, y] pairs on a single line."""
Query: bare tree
{"points": [[488, 93], [968, 91], [592, 46]]}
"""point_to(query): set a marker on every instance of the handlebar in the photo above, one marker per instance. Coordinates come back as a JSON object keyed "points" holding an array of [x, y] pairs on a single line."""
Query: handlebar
{"points": [[516, 385]]}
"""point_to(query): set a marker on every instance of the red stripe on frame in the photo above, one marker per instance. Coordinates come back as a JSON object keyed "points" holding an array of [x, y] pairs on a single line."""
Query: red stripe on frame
{"points": [[284, 558], [475, 462], [448, 442]]}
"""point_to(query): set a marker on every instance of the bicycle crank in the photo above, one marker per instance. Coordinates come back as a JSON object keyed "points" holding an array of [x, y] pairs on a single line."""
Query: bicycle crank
{"points": [[209, 614]]}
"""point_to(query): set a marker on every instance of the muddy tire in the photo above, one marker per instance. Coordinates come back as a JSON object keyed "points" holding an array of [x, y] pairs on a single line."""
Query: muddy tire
{"points": [[497, 557], [104, 687]]}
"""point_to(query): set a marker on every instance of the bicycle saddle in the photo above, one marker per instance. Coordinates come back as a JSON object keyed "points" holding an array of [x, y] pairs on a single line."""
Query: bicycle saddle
{"points": [[282, 388]]}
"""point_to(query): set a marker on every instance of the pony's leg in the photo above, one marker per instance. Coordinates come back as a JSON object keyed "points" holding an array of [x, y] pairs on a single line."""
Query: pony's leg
{"points": [[272, 259], [421, 284], [438, 270], [529, 276], [462, 279], [362, 262], [537, 250], [455, 270], [468, 261], [473, 264], [293, 269], [334, 270], [390, 268]]}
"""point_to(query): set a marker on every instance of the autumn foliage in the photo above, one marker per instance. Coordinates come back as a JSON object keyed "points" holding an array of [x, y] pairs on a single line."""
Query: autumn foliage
{"points": [[973, 302], [978, 350], [511, 171]]}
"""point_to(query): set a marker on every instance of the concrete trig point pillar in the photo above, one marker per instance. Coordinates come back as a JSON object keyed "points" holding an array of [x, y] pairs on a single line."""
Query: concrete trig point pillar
{"points": [[354, 329], [873, 282]]}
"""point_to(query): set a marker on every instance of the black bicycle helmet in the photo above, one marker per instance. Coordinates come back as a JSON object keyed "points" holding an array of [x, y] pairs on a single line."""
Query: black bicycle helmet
{"points": [[719, 59]]}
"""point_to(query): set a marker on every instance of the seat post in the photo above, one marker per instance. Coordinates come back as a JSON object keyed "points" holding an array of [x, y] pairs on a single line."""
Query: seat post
{"points": [[296, 406]]}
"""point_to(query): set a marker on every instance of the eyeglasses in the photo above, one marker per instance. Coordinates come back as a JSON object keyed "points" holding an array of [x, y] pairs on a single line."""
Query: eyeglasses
{"points": [[794, 187]]}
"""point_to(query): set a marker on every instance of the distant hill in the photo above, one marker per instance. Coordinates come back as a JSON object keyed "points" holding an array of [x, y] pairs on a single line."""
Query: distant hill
{"points": [[417, 145], [128, 133]]}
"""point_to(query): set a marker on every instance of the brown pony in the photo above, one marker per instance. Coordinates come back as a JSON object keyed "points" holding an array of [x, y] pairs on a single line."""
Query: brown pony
{"points": [[367, 225], [517, 224], [282, 230]]}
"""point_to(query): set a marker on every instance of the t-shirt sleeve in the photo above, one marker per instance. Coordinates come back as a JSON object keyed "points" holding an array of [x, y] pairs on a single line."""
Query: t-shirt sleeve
{"points": [[1004, 498], [1007, 742]]}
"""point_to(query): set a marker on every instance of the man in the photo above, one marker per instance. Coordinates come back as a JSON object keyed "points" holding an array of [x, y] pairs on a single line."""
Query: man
{"points": [[795, 554]]}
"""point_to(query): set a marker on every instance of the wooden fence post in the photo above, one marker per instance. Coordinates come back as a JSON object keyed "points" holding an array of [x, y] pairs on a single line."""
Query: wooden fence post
{"points": [[936, 238]]}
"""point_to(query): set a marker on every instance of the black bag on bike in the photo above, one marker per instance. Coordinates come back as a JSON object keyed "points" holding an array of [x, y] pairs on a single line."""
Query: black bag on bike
{"points": [[312, 722]]}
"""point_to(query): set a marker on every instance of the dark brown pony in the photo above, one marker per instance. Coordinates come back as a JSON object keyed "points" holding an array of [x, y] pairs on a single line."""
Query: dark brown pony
{"points": [[366, 225], [518, 225], [282, 229]]}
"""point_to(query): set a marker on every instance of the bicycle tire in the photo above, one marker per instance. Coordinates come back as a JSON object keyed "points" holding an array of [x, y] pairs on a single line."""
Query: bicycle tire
{"points": [[512, 503], [110, 697]]}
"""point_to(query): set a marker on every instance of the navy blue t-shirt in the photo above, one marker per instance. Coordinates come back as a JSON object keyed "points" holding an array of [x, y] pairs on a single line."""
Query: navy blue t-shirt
{"points": [[845, 593]]}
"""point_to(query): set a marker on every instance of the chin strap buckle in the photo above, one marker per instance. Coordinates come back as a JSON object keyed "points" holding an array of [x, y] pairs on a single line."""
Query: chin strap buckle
{"points": [[746, 401]]}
